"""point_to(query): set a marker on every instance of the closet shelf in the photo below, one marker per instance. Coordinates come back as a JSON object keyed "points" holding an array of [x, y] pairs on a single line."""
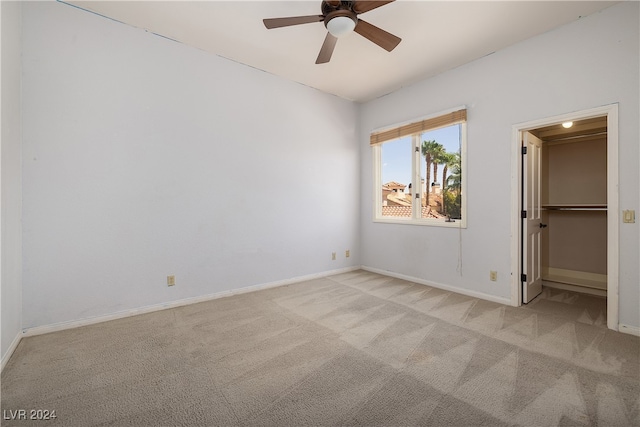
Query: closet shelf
{"points": [[576, 207]]}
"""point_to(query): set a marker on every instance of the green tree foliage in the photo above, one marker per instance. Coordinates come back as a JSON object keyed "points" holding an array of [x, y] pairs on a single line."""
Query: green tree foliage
{"points": [[435, 154], [453, 204], [454, 181], [447, 160], [452, 197]]}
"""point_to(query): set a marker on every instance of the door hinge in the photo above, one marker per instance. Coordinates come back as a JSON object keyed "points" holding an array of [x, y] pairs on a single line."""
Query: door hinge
{"points": [[524, 150], [417, 195], [523, 214], [523, 278]]}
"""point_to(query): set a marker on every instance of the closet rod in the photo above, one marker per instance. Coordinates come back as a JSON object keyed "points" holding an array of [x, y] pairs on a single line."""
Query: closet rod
{"points": [[573, 209]]}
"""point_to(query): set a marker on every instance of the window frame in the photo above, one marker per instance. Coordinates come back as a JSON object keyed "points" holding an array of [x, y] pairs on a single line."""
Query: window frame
{"points": [[440, 120]]}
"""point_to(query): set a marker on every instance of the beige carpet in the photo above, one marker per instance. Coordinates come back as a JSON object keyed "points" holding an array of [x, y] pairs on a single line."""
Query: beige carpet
{"points": [[352, 349]]}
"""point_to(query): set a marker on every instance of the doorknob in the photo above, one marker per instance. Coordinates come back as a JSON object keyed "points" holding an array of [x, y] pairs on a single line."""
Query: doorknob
{"points": [[543, 225]]}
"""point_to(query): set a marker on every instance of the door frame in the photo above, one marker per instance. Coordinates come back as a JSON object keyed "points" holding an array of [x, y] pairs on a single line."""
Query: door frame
{"points": [[613, 266]]}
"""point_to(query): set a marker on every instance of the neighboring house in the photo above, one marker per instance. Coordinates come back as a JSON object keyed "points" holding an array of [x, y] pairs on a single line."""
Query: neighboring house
{"points": [[393, 194]]}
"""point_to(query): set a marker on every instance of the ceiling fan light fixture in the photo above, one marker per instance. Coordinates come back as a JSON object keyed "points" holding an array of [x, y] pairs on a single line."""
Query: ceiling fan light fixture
{"points": [[341, 26]]}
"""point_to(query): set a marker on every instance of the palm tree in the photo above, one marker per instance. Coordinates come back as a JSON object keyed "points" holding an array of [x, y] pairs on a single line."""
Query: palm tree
{"points": [[437, 157], [429, 148], [454, 181], [446, 159]]}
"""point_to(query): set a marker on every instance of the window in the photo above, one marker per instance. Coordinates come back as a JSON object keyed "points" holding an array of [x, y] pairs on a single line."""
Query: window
{"points": [[419, 171]]}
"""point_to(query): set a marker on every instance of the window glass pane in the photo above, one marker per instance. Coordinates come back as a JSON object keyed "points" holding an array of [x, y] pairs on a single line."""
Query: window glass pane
{"points": [[396, 177], [441, 172], [433, 162]]}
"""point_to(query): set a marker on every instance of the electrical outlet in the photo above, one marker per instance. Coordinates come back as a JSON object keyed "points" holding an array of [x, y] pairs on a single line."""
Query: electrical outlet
{"points": [[347, 253], [493, 276], [333, 256], [171, 280]]}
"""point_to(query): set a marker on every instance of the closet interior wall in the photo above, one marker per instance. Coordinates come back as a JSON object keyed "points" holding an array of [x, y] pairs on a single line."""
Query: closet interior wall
{"points": [[574, 201]]}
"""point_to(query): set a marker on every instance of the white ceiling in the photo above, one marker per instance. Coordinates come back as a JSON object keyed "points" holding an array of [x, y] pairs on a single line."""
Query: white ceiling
{"points": [[436, 36]]}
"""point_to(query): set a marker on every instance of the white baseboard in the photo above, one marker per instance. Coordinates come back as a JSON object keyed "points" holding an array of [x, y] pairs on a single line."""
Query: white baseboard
{"points": [[39, 330], [631, 330], [475, 294], [10, 350]]}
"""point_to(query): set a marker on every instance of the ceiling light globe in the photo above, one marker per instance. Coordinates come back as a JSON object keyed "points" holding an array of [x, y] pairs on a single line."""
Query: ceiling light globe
{"points": [[340, 26], [567, 125]]}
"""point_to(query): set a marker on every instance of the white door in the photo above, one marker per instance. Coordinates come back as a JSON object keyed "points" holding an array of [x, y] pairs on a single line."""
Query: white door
{"points": [[532, 224]]}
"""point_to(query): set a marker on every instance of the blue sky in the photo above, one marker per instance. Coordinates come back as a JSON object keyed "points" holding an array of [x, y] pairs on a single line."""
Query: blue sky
{"points": [[396, 155]]}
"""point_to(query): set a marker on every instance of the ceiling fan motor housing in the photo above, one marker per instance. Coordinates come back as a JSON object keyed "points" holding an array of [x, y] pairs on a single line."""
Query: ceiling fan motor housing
{"points": [[329, 6]]}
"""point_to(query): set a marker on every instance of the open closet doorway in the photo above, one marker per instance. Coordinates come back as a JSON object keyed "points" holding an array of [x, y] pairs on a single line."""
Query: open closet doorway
{"points": [[564, 207]]}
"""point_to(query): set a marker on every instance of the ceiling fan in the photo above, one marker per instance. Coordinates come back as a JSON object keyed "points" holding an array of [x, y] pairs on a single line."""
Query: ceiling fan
{"points": [[340, 18]]}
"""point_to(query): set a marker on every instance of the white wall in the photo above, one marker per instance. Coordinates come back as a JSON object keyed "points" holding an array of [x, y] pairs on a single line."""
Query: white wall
{"points": [[139, 163], [144, 157], [586, 64], [10, 179]]}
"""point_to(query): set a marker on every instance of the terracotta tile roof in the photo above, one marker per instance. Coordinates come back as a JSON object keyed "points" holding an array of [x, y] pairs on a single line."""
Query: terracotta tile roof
{"points": [[405, 211]]}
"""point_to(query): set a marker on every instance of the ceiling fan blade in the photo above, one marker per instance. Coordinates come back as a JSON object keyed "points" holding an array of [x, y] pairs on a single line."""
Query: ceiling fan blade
{"points": [[366, 6], [385, 40], [292, 20], [327, 49]]}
